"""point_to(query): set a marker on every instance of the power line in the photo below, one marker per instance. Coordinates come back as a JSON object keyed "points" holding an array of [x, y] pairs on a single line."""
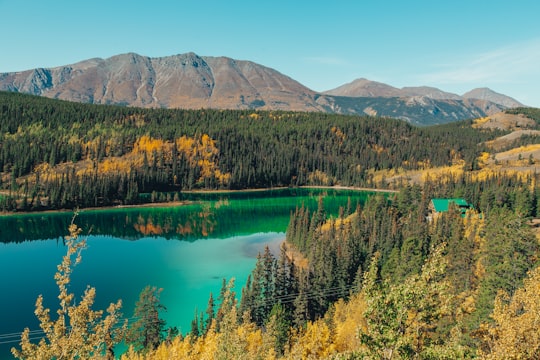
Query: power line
{"points": [[40, 334], [283, 299]]}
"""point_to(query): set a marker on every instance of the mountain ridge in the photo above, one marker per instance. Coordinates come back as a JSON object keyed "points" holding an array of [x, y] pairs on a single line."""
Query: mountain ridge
{"points": [[192, 81], [363, 87]]}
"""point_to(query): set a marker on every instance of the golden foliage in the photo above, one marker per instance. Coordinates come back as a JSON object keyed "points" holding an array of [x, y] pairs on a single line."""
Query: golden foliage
{"points": [[147, 144], [348, 319], [473, 227], [200, 152], [185, 145], [378, 148], [486, 173], [338, 223], [79, 332], [313, 343], [339, 134], [515, 334], [478, 122], [44, 170], [318, 177], [203, 153], [523, 149], [443, 173], [483, 159]]}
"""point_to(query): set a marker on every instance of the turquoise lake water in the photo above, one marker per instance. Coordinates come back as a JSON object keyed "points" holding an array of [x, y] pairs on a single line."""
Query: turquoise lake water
{"points": [[185, 250]]}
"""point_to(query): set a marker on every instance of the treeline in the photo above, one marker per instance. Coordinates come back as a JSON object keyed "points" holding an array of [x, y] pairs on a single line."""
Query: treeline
{"points": [[56, 154], [380, 280], [389, 242], [531, 113]]}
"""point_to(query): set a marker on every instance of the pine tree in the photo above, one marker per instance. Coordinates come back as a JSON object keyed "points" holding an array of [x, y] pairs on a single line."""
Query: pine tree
{"points": [[509, 251], [301, 302], [147, 332], [210, 313]]}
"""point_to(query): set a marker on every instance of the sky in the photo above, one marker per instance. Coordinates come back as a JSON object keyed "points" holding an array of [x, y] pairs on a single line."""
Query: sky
{"points": [[453, 45]]}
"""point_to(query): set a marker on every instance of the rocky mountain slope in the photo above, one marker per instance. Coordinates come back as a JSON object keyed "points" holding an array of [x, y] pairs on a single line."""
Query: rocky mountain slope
{"points": [[194, 82], [364, 87], [181, 81], [490, 95]]}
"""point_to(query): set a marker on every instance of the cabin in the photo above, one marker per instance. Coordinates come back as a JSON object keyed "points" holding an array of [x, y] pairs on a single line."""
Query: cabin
{"points": [[437, 206]]}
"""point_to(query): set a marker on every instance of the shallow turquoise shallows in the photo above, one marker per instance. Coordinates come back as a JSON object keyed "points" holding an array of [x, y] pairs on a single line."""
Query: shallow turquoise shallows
{"points": [[186, 250]]}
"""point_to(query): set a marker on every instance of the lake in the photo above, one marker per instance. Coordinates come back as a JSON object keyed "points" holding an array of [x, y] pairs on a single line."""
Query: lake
{"points": [[186, 250]]}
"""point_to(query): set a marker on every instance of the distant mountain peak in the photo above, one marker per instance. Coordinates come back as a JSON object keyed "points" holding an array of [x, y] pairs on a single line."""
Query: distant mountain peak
{"points": [[363, 87], [430, 92], [191, 81], [178, 81], [487, 94], [367, 88]]}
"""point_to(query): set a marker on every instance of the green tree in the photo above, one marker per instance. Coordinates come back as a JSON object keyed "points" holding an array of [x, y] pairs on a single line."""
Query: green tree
{"points": [[148, 331], [401, 318], [509, 251], [278, 326], [210, 314], [258, 294]]}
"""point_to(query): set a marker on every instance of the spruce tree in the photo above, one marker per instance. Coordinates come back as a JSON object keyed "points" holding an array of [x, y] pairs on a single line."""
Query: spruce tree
{"points": [[147, 332]]}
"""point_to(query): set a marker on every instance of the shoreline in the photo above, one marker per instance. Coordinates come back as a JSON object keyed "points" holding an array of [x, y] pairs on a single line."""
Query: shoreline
{"points": [[340, 187], [187, 202]]}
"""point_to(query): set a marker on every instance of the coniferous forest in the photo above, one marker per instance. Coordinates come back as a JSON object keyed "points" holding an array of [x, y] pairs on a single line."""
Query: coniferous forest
{"points": [[388, 279], [57, 154]]}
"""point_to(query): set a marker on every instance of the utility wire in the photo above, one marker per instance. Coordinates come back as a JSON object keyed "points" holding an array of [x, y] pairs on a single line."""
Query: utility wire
{"points": [[283, 299]]}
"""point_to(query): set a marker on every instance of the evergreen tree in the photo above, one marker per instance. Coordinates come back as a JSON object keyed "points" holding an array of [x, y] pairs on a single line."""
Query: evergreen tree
{"points": [[401, 318], [509, 251], [210, 314], [148, 330]]}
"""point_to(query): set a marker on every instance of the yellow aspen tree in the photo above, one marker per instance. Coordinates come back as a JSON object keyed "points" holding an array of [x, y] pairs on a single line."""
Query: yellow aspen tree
{"points": [[348, 319], [79, 332], [314, 343], [516, 332]]}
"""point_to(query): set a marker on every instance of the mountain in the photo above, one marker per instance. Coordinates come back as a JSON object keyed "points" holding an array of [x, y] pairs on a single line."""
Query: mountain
{"points": [[418, 110], [430, 92], [195, 82], [363, 87], [492, 96], [180, 81]]}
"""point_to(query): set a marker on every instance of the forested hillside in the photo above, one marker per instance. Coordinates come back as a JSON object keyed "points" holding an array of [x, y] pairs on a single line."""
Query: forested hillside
{"points": [[386, 280], [56, 154], [379, 281]]}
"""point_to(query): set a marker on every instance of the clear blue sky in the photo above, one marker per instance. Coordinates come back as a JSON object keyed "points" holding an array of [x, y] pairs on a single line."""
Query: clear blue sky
{"points": [[454, 45]]}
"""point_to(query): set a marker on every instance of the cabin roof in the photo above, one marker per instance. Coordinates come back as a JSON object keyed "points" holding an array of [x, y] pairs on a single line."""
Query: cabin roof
{"points": [[442, 205]]}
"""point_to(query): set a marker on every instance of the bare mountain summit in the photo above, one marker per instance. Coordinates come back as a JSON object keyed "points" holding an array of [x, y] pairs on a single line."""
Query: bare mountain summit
{"points": [[492, 96], [430, 92], [180, 81], [367, 88], [191, 81]]}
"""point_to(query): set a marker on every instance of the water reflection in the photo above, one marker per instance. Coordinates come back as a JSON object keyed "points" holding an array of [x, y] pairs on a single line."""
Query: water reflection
{"points": [[234, 226], [217, 215]]}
